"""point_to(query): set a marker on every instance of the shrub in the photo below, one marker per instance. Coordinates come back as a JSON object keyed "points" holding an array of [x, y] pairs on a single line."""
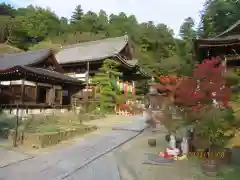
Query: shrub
{"points": [[232, 78], [50, 128], [7, 122]]}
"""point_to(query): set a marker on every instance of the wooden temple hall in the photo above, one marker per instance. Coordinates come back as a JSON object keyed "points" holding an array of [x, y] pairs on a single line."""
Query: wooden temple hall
{"points": [[83, 60], [34, 79], [226, 45], [43, 79]]}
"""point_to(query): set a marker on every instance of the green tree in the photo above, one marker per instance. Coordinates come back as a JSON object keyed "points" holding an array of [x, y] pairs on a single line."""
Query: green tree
{"points": [[7, 10], [185, 45], [65, 28], [102, 21], [76, 19], [9, 29], [156, 43], [90, 22], [38, 23], [187, 31], [41, 28], [217, 16], [188, 34], [109, 94]]}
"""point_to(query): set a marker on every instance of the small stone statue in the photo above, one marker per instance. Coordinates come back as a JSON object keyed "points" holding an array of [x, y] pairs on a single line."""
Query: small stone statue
{"points": [[172, 142], [184, 146]]}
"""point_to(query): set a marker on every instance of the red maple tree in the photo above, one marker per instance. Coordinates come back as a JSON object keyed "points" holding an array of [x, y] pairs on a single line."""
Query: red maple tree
{"points": [[168, 85], [196, 94], [206, 85]]}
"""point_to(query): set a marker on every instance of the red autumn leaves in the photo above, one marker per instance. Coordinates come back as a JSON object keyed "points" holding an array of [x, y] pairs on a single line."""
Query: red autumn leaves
{"points": [[206, 84]]}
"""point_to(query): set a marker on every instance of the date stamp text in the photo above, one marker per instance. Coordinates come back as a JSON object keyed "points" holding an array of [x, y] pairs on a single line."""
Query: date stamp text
{"points": [[207, 154]]}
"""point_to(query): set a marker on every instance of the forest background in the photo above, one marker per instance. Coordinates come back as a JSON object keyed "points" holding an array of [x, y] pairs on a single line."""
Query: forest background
{"points": [[155, 45]]}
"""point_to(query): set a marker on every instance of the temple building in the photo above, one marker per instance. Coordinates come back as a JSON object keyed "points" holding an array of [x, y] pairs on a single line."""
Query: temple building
{"points": [[42, 78], [226, 45], [35, 79], [83, 61]]}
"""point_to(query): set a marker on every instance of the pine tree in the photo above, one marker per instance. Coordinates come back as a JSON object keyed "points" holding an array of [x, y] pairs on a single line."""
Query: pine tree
{"points": [[109, 95], [77, 15]]}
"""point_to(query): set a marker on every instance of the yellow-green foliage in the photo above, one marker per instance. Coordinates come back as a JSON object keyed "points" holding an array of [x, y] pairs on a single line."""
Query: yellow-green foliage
{"points": [[5, 48], [232, 77], [41, 140], [46, 45]]}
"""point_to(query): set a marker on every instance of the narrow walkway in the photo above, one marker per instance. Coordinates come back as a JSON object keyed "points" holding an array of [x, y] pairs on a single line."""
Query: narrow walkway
{"points": [[9, 157], [85, 160]]}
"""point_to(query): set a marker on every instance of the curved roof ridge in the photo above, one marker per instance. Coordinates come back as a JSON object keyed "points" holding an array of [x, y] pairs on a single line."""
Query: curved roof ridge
{"points": [[23, 58], [25, 52], [229, 29], [92, 50], [95, 41]]}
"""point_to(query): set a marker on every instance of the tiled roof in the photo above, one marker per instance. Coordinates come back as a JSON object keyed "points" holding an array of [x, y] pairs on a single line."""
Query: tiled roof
{"points": [[227, 31], [92, 50], [229, 36], [42, 72], [22, 58]]}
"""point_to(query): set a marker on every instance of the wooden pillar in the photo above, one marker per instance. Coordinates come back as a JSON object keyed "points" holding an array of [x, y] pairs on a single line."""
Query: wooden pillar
{"points": [[11, 90], [87, 80], [87, 87], [133, 90], [48, 96], [126, 90], [61, 96], [53, 95], [22, 91], [36, 92], [94, 88]]}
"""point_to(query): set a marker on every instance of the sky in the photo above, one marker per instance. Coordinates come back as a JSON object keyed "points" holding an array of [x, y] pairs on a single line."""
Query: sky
{"points": [[169, 12]]}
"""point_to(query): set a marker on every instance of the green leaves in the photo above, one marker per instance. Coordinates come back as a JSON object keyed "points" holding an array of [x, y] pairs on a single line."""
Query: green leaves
{"points": [[106, 80], [217, 16], [214, 126]]}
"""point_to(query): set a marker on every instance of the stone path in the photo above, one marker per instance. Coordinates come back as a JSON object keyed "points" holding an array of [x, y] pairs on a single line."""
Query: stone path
{"points": [[10, 157], [84, 159]]}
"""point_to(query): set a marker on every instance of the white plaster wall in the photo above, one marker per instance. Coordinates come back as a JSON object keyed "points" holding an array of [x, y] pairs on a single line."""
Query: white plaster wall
{"points": [[29, 83], [24, 112], [80, 76]]}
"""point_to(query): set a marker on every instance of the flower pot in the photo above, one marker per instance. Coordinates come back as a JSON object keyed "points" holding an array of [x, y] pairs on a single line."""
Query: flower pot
{"points": [[209, 167], [235, 158], [227, 155], [152, 142]]}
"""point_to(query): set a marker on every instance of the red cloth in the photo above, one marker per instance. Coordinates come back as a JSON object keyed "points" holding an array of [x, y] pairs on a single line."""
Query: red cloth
{"points": [[167, 156], [133, 93]]}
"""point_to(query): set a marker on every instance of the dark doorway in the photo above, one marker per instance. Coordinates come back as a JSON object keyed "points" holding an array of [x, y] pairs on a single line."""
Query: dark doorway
{"points": [[41, 94]]}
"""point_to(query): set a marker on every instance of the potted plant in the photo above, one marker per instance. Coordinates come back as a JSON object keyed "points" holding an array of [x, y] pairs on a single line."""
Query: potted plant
{"points": [[213, 129], [203, 103]]}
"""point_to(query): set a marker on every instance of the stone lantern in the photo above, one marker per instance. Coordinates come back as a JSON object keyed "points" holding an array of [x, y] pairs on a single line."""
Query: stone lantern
{"points": [[153, 96]]}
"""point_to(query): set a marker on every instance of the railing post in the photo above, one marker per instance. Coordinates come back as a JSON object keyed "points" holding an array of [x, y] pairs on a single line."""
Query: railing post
{"points": [[16, 128]]}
